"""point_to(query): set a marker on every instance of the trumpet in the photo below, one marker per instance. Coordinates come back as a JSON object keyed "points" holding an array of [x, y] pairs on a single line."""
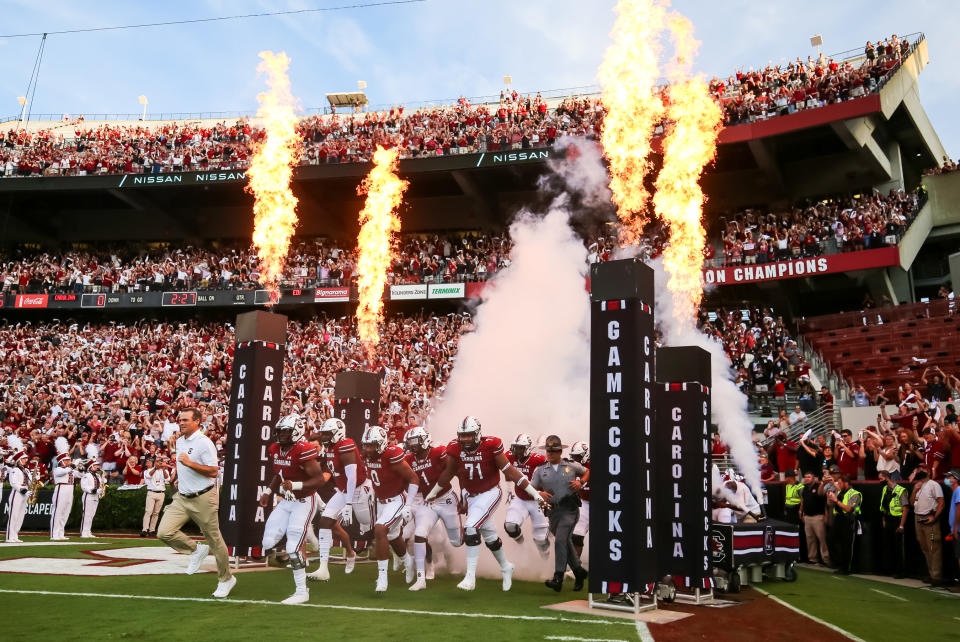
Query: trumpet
{"points": [[33, 488]]}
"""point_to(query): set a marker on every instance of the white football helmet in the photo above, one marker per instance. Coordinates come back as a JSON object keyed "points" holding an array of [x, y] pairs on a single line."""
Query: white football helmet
{"points": [[333, 427], [580, 452], [417, 439], [469, 427], [376, 437], [294, 423], [522, 446]]}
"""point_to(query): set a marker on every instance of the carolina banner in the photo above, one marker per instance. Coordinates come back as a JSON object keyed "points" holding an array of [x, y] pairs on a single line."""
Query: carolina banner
{"points": [[255, 398]]}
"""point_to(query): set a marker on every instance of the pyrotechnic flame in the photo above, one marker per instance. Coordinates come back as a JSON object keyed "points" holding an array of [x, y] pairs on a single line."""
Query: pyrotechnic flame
{"points": [[375, 244], [271, 168], [628, 76], [690, 143]]}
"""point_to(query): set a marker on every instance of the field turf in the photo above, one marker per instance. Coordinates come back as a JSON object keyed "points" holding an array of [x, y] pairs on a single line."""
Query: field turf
{"points": [[237, 619], [155, 607]]}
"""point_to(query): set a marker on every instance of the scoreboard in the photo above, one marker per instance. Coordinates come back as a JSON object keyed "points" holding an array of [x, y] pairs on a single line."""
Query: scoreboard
{"points": [[184, 299]]}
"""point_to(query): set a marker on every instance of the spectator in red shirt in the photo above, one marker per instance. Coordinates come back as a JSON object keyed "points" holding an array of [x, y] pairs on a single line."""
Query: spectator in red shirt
{"points": [[784, 453], [132, 473], [933, 454], [848, 453]]}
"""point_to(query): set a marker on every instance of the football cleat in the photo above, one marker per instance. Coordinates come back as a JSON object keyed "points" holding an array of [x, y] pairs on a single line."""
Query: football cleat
{"points": [[419, 585], [351, 562], [467, 583], [410, 568], [322, 573], [381, 584], [507, 573], [197, 557], [297, 598]]}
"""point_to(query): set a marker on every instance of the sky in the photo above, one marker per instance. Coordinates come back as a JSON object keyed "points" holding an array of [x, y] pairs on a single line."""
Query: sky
{"points": [[417, 53]]}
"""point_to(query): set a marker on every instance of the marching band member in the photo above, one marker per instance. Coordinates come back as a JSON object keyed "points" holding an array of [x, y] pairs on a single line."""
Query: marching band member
{"points": [[90, 483], [62, 502], [19, 484]]}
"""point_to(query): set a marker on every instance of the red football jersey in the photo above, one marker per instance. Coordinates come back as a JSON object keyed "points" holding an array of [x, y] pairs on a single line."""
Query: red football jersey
{"points": [[527, 468], [585, 489], [335, 465], [289, 465], [387, 482], [477, 471], [429, 468]]}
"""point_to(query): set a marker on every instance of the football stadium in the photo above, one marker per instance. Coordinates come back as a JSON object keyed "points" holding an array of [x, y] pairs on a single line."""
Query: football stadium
{"points": [[634, 346]]}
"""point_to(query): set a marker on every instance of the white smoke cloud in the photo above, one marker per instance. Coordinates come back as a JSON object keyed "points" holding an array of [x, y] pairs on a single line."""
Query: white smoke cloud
{"points": [[526, 367], [728, 404]]}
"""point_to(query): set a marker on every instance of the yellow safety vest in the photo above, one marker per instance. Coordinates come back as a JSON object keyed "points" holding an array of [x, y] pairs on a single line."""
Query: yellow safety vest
{"points": [[847, 496], [896, 502], [793, 496]]}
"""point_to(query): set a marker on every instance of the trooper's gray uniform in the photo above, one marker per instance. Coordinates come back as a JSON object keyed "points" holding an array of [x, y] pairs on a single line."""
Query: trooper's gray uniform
{"points": [[564, 508]]}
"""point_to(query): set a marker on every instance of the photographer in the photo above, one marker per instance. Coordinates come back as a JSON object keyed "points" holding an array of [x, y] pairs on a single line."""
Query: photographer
{"points": [[155, 475]]}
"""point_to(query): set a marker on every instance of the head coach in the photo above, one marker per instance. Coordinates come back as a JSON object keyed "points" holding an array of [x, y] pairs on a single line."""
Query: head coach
{"points": [[197, 499]]}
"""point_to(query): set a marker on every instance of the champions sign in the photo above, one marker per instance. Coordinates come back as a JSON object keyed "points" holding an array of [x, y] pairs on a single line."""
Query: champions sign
{"points": [[798, 268]]}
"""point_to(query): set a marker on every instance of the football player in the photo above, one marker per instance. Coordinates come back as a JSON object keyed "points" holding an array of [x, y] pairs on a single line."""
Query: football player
{"points": [[352, 497], [523, 458], [477, 462], [296, 477], [390, 473], [428, 461], [580, 453]]}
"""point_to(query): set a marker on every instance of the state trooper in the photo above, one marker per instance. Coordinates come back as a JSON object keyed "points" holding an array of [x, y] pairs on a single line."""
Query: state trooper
{"points": [[559, 482]]}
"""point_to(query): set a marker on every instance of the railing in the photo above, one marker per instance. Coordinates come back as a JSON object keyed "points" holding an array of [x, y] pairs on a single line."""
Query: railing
{"points": [[879, 316], [819, 422]]}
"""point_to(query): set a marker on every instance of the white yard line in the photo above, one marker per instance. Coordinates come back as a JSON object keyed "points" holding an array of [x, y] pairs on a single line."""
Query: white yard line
{"points": [[896, 597], [343, 607], [574, 639], [830, 626], [643, 631]]}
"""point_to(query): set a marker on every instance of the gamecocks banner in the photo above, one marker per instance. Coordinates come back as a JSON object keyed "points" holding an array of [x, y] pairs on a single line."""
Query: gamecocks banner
{"points": [[683, 477], [798, 268], [254, 409], [622, 538]]}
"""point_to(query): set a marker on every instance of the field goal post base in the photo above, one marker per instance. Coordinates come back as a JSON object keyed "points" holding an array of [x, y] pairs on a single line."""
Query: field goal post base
{"points": [[633, 603]]}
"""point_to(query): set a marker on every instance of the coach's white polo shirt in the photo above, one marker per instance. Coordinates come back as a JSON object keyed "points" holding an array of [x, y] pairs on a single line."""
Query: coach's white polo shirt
{"points": [[201, 451]]}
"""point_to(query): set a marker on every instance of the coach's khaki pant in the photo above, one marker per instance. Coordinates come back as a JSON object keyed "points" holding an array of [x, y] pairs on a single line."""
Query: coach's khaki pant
{"points": [[152, 510], [928, 536], [816, 534], [203, 511]]}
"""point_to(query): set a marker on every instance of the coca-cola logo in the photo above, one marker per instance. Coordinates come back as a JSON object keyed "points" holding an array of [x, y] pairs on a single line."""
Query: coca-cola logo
{"points": [[31, 301]]}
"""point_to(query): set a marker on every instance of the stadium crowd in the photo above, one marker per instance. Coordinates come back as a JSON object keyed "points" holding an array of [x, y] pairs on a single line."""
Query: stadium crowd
{"points": [[839, 224], [946, 167], [514, 122], [419, 258], [113, 389], [806, 84], [847, 224]]}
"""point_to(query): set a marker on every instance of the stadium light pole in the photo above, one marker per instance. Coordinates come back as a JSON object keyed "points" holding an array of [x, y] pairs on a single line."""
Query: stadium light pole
{"points": [[23, 107], [143, 101]]}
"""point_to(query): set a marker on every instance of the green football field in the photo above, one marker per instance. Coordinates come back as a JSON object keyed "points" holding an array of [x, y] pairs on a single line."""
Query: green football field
{"points": [[177, 606]]}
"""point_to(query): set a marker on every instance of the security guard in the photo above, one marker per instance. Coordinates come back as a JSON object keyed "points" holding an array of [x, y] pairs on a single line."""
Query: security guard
{"points": [[559, 482], [894, 510], [846, 522], [793, 494]]}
